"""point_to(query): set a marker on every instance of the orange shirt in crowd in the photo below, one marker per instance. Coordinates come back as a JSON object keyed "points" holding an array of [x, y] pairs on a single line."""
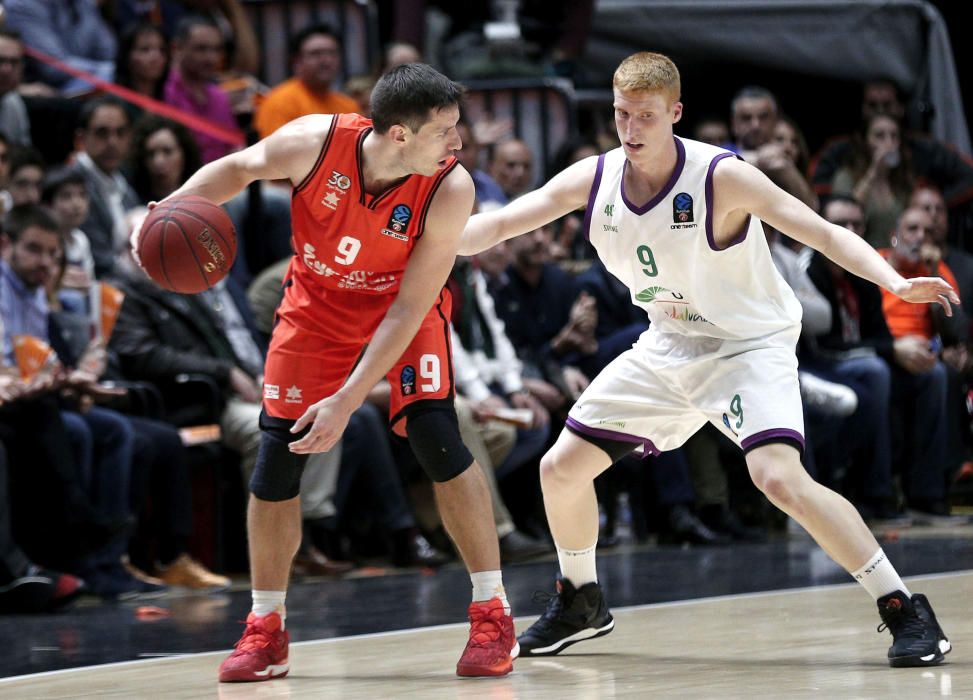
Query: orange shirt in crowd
{"points": [[903, 317], [291, 99]]}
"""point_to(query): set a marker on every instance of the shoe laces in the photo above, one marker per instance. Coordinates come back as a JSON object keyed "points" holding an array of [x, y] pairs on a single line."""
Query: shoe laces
{"points": [[555, 607], [255, 636], [485, 627], [898, 621]]}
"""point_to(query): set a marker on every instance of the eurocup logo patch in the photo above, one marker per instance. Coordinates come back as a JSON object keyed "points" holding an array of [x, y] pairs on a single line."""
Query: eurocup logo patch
{"points": [[399, 220], [408, 380], [682, 208]]}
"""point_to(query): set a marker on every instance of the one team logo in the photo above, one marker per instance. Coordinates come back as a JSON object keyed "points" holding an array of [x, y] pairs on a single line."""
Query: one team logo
{"points": [[408, 380], [682, 208], [342, 182], [399, 220]]}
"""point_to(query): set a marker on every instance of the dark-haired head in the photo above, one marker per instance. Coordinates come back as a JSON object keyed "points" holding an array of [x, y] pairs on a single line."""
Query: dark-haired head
{"points": [[178, 145], [296, 43], [34, 244], [57, 179], [24, 216], [89, 108], [409, 94], [143, 55]]}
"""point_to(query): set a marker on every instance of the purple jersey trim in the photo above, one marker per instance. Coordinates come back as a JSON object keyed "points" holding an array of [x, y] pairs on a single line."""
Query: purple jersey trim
{"points": [[770, 435], [586, 226], [709, 207], [647, 446], [680, 162]]}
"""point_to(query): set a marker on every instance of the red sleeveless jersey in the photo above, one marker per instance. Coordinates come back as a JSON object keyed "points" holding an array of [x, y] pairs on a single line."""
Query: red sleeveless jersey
{"points": [[345, 238]]}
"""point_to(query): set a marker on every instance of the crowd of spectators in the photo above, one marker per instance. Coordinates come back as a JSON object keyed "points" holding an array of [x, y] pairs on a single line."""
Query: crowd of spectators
{"points": [[97, 424]]}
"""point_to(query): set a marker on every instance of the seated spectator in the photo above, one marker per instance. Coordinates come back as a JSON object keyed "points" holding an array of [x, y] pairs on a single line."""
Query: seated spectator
{"points": [[489, 374], [827, 403], [878, 174], [857, 350], [14, 120], [160, 466], [72, 31], [956, 357], [919, 382], [315, 54], [549, 323], [197, 55], [64, 191], [102, 440], [104, 138]]}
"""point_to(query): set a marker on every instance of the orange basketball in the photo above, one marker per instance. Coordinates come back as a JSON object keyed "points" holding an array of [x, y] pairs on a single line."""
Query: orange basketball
{"points": [[187, 244]]}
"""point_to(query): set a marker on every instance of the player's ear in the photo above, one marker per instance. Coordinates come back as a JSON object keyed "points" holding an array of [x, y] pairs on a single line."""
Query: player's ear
{"points": [[676, 112], [398, 133]]}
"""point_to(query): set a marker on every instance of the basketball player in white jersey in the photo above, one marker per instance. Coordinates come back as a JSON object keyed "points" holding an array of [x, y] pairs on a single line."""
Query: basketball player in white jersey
{"points": [[679, 222]]}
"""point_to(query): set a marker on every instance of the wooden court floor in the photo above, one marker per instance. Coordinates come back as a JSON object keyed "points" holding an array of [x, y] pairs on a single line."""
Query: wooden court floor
{"points": [[805, 643]]}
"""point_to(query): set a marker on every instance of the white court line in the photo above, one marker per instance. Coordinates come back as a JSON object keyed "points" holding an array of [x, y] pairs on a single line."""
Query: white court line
{"points": [[392, 633]]}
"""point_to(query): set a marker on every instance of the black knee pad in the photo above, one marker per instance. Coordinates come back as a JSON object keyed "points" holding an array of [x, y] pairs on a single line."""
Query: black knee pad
{"points": [[277, 474], [433, 433]]}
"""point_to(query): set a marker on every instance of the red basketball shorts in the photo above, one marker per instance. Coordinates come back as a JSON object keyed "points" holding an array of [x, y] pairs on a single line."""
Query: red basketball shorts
{"points": [[317, 342]]}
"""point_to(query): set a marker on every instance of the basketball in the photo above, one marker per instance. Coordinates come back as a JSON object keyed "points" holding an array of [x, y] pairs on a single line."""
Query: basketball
{"points": [[187, 244]]}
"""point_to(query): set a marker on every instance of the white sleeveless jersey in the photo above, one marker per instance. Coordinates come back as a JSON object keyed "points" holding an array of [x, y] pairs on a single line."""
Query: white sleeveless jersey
{"points": [[664, 252]]}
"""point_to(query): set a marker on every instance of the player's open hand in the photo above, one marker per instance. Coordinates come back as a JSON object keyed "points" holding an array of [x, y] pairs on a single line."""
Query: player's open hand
{"points": [[328, 419], [928, 290]]}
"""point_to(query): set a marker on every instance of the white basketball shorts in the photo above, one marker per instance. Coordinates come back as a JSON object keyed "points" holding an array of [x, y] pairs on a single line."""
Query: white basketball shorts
{"points": [[662, 390]]}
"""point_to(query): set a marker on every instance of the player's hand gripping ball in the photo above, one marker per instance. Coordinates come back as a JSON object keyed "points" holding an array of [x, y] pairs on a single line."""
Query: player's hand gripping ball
{"points": [[186, 244]]}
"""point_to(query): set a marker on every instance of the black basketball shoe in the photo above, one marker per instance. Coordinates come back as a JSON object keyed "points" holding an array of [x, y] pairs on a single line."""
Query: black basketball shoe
{"points": [[572, 615], [917, 638]]}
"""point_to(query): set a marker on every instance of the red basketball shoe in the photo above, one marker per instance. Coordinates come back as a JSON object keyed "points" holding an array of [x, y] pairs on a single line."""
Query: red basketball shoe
{"points": [[493, 646], [261, 653]]}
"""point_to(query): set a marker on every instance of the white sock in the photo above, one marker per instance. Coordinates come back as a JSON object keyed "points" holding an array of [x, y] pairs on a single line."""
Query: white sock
{"points": [[879, 577], [266, 602], [487, 585], [578, 565]]}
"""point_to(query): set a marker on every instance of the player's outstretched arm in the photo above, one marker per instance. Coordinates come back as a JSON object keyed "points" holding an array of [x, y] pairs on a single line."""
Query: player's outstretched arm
{"points": [[566, 192], [287, 154], [429, 266], [740, 186]]}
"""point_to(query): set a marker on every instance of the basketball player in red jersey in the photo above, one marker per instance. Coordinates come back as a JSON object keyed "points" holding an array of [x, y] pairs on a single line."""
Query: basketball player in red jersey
{"points": [[377, 210]]}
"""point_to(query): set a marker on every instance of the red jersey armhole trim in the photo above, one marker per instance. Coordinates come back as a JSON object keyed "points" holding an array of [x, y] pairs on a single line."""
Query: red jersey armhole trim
{"points": [[432, 194], [321, 155]]}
